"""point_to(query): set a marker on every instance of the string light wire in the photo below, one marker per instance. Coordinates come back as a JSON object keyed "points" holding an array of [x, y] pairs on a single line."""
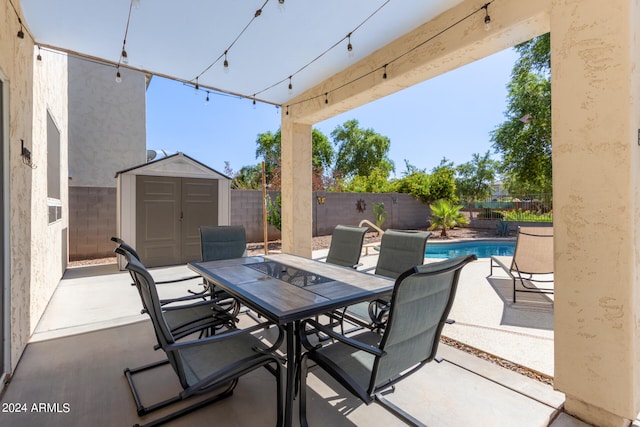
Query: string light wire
{"points": [[256, 14], [397, 58], [323, 53]]}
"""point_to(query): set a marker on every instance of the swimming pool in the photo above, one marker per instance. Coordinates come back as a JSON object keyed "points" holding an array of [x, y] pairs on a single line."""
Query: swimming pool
{"points": [[481, 248]]}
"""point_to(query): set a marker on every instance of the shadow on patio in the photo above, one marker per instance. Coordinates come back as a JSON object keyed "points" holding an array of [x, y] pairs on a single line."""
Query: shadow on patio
{"points": [[92, 331]]}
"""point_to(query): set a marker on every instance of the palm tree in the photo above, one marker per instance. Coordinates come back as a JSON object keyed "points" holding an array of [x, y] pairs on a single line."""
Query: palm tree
{"points": [[445, 215]]}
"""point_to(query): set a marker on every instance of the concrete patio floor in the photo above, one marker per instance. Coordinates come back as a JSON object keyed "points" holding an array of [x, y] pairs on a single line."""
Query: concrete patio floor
{"points": [[92, 330]]}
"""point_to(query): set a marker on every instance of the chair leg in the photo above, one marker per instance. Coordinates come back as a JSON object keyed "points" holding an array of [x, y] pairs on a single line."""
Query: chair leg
{"points": [[163, 420], [303, 391], [397, 411]]}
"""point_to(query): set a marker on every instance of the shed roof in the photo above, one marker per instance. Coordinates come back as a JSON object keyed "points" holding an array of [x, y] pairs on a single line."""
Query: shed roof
{"points": [[178, 164]]}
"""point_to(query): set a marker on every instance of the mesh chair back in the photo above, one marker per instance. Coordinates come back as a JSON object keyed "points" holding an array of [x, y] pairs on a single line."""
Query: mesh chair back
{"points": [[400, 250], [421, 301], [346, 245], [151, 301], [222, 242], [534, 251]]}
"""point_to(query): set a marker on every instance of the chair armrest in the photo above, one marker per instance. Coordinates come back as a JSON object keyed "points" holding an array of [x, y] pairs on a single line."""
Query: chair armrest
{"points": [[225, 336], [343, 339], [182, 279], [164, 302], [365, 270]]}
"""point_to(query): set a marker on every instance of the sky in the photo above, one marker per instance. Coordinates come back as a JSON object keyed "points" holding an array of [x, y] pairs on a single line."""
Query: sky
{"points": [[450, 116]]}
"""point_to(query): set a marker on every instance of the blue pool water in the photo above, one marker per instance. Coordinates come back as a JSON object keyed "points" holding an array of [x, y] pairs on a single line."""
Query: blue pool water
{"points": [[482, 249]]}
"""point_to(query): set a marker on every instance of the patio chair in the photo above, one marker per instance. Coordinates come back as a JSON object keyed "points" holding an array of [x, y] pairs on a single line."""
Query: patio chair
{"points": [[126, 247], [202, 317], [346, 246], [400, 250], [207, 365], [368, 363], [219, 242], [532, 260]]}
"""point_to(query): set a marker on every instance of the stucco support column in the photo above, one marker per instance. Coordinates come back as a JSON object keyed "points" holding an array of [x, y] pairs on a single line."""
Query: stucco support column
{"points": [[296, 186], [596, 164]]}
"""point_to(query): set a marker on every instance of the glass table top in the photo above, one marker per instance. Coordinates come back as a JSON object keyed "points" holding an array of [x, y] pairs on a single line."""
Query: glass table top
{"points": [[291, 275]]}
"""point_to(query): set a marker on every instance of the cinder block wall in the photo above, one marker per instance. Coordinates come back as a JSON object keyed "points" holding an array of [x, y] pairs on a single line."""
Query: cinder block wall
{"points": [[331, 209], [246, 209], [92, 222], [92, 215]]}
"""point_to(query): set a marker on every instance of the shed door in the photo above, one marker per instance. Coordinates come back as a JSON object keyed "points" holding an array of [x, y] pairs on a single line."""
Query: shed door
{"points": [[199, 207], [169, 212]]}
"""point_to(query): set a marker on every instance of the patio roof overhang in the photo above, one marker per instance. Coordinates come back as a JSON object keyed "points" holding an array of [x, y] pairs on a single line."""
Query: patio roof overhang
{"points": [[271, 44]]}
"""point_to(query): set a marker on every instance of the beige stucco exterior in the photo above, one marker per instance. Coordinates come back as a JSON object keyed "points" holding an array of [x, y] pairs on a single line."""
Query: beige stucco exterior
{"points": [[106, 122], [596, 164], [35, 258], [596, 160], [596, 155]]}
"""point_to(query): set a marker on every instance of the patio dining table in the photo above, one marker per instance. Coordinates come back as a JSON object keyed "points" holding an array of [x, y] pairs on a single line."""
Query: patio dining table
{"points": [[287, 289]]}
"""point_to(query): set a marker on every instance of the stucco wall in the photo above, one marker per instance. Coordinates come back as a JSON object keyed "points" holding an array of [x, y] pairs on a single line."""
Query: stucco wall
{"points": [[107, 123], [48, 240], [17, 68]]}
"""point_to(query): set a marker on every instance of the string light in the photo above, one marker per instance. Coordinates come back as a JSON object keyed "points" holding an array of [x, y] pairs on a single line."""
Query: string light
{"points": [[254, 101], [207, 98], [290, 86], [326, 97], [281, 5], [197, 86], [326, 50], [487, 18], [39, 57], [118, 76], [20, 31], [226, 63], [124, 57], [349, 46]]}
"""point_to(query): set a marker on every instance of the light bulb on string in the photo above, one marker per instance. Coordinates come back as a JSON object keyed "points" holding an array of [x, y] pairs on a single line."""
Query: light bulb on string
{"points": [[384, 75], [197, 87], [20, 34], [254, 102], [487, 18], [349, 46], [290, 86], [281, 5], [118, 76], [39, 57], [124, 56], [136, 4], [207, 99], [287, 112], [225, 64], [326, 98]]}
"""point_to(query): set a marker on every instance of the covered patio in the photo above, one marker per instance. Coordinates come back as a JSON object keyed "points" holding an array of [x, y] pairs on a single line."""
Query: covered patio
{"points": [[92, 330], [596, 117]]}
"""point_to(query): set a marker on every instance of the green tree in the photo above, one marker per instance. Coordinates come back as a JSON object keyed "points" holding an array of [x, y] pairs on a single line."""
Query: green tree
{"points": [[360, 151], [248, 178], [440, 184], [444, 215], [524, 139], [269, 148], [474, 178], [375, 182]]}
